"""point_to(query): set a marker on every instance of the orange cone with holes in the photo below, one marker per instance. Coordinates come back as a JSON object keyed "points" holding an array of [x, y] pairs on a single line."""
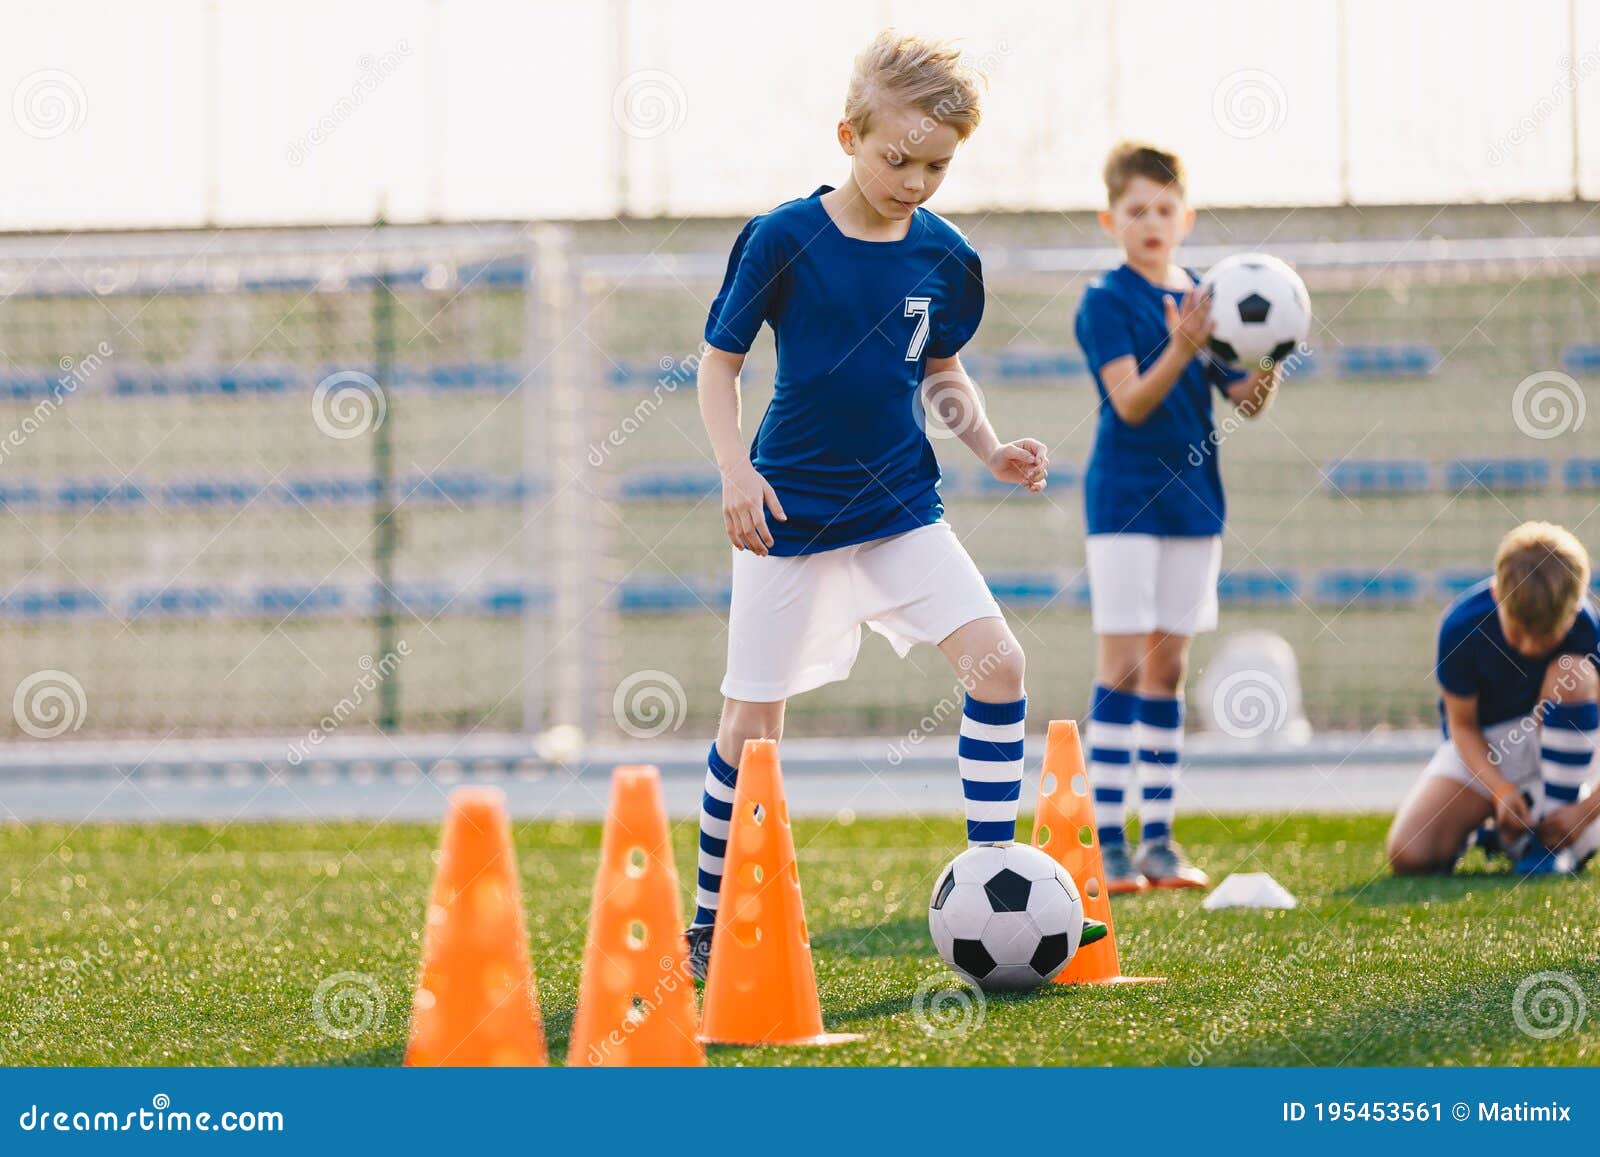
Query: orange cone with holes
{"points": [[1064, 829], [762, 988], [636, 1001], [476, 1003]]}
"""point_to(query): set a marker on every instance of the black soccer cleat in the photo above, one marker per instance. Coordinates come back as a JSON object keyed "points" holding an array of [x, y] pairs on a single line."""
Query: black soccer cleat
{"points": [[699, 938]]}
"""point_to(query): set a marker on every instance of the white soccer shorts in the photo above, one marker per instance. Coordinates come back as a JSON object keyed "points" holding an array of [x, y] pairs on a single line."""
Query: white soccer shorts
{"points": [[1514, 743], [1144, 582], [795, 622]]}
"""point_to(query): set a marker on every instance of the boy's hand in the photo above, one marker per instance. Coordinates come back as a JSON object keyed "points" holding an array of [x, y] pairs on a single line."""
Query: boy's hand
{"points": [[1189, 324], [1511, 813], [745, 499], [1025, 462], [1562, 826]]}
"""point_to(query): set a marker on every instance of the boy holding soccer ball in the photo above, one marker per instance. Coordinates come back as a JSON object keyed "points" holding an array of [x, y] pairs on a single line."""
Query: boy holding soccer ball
{"points": [[1154, 506], [1517, 699], [834, 511]]}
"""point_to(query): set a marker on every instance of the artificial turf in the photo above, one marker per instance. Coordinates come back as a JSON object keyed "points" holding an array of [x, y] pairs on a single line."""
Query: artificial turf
{"points": [[199, 944]]}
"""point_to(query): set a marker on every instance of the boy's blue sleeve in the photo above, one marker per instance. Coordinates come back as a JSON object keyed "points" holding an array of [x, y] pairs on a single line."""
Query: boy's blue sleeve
{"points": [[1104, 330], [960, 322], [1454, 665], [756, 274]]}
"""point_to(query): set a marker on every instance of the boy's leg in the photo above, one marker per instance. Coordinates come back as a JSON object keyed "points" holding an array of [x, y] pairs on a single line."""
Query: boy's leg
{"points": [[740, 721], [989, 661], [1567, 731], [1569, 720], [1160, 732], [1113, 747], [1431, 828]]}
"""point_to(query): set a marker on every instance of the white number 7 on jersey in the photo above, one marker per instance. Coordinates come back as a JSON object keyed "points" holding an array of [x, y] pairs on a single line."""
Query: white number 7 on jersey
{"points": [[918, 308]]}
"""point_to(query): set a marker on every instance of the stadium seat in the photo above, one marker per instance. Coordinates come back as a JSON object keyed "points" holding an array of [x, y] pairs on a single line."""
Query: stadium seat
{"points": [[1378, 476], [1397, 360], [1581, 358], [1375, 588], [1257, 588], [1498, 474]]}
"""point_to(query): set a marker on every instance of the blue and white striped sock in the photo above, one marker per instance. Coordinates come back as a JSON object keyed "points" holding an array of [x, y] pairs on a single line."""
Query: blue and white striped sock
{"points": [[1160, 745], [990, 755], [716, 814], [1111, 745], [1566, 748]]}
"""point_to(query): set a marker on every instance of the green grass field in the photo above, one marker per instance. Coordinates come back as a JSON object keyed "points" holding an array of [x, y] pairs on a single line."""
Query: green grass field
{"points": [[197, 944]]}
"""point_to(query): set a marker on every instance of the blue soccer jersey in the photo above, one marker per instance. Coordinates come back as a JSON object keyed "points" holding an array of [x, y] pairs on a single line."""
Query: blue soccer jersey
{"points": [[1475, 659], [1159, 477], [843, 442]]}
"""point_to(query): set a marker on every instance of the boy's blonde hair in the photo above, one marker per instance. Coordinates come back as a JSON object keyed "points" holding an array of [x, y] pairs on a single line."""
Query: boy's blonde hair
{"points": [[1130, 159], [1541, 574], [928, 75]]}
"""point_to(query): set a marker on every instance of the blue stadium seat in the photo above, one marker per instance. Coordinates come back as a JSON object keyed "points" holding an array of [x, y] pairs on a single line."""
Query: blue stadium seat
{"points": [[1383, 588], [207, 492], [177, 602], [1397, 360], [1453, 581], [298, 600], [20, 492], [1581, 473], [670, 483], [1498, 473], [1581, 358], [1257, 588], [89, 493], [1378, 476], [1025, 588], [54, 603], [658, 595]]}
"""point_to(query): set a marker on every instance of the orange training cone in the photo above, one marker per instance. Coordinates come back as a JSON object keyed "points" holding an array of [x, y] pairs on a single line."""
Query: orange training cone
{"points": [[1063, 827], [761, 988], [476, 1003], [636, 1000]]}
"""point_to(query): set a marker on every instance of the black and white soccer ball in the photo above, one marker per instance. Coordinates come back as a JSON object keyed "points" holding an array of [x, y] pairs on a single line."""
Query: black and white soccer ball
{"points": [[1005, 917], [1260, 311]]}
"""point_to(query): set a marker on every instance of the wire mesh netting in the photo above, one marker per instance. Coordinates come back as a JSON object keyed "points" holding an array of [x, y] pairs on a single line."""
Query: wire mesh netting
{"points": [[413, 480]]}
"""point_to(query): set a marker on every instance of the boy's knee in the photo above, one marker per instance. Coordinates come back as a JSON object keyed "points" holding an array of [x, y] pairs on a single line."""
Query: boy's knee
{"points": [[1413, 859], [1571, 679], [1009, 671], [742, 721]]}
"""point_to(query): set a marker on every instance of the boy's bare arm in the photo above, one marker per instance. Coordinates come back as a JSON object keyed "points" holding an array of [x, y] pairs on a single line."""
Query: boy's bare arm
{"points": [[1135, 396], [1510, 809], [746, 496], [1025, 462], [1253, 394]]}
